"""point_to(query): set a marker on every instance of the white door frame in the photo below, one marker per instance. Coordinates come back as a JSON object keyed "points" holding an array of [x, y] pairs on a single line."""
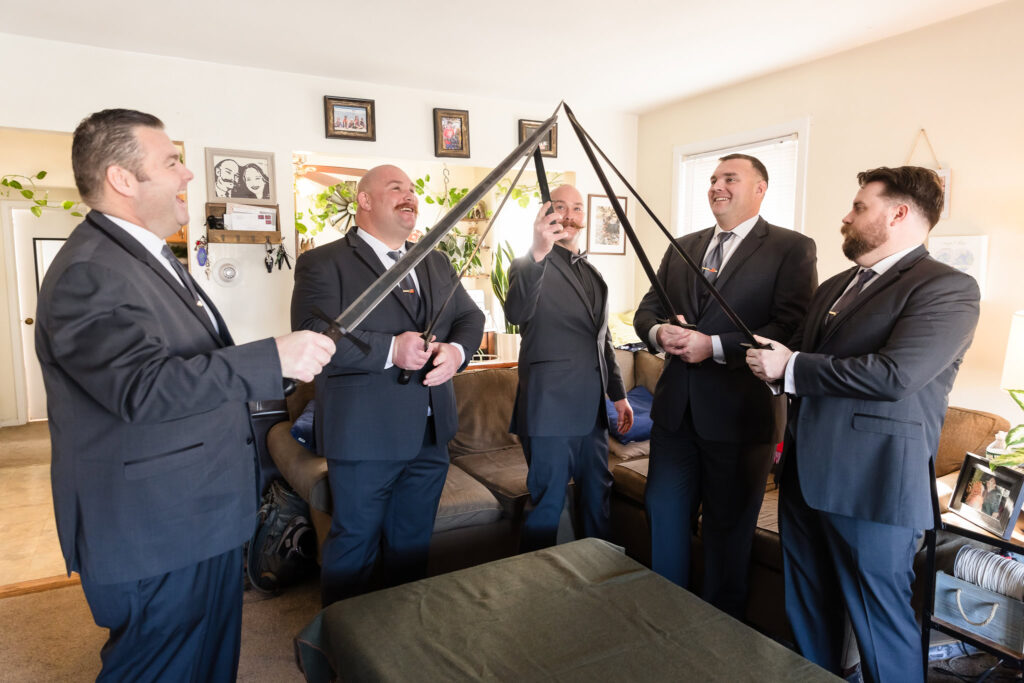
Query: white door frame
{"points": [[17, 349]]}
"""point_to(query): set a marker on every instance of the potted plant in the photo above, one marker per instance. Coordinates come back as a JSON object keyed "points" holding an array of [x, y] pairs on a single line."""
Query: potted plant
{"points": [[507, 341], [1008, 449]]}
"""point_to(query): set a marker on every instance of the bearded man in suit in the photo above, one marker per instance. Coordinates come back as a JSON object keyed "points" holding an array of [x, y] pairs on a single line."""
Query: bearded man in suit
{"points": [[869, 376]]}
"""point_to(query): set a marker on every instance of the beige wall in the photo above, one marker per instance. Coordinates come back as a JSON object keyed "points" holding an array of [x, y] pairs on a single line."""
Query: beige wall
{"points": [[960, 80]]}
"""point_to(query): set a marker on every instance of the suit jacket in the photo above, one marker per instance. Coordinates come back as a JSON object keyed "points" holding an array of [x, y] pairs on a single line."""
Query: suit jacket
{"points": [[872, 389], [154, 465], [566, 360], [362, 412], [768, 281]]}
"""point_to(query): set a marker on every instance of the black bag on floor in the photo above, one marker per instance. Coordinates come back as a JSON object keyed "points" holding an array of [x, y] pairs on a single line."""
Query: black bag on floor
{"points": [[283, 548]]}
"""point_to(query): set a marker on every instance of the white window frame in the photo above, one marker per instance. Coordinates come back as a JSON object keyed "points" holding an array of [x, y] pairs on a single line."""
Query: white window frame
{"points": [[799, 127]]}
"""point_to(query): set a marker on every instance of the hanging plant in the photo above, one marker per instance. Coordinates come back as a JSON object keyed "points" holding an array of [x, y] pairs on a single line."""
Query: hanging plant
{"points": [[26, 186], [336, 206]]}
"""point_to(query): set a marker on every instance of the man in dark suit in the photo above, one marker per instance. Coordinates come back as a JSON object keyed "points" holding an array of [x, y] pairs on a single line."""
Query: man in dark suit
{"points": [[566, 367], [385, 442], [715, 425], [870, 376], [154, 465]]}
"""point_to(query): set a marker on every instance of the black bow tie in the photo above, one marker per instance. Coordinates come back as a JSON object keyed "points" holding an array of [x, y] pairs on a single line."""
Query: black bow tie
{"points": [[573, 258]]}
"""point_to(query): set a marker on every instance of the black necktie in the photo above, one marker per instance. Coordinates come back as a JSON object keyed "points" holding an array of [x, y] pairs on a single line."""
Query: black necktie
{"points": [[186, 279], [408, 286], [713, 263], [849, 295]]}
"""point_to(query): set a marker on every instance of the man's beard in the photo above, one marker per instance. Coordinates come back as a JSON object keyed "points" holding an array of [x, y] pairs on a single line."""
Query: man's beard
{"points": [[856, 244]]}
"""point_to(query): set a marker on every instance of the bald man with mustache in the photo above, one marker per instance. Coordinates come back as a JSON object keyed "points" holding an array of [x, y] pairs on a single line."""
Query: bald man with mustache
{"points": [[385, 442]]}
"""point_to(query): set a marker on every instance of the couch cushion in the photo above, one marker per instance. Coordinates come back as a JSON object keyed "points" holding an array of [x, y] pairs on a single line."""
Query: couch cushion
{"points": [[296, 402], [503, 472], [621, 452], [965, 430], [640, 400], [464, 502], [630, 479], [648, 369], [625, 361], [484, 400], [305, 472]]}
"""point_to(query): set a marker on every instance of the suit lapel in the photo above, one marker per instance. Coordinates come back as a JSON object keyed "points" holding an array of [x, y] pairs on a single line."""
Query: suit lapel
{"points": [[428, 277], [747, 246], [565, 269], [700, 246], [135, 248], [368, 256]]}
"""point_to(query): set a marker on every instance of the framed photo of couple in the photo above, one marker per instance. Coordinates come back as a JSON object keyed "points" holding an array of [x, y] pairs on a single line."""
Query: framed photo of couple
{"points": [[989, 498], [240, 176]]}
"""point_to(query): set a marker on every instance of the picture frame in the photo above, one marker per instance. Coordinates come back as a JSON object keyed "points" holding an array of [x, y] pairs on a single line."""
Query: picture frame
{"points": [[966, 253], [227, 171], [604, 233], [549, 145], [451, 133], [349, 118], [988, 498]]}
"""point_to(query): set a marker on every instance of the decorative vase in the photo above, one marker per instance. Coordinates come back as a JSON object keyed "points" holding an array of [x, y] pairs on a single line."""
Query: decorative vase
{"points": [[508, 346]]}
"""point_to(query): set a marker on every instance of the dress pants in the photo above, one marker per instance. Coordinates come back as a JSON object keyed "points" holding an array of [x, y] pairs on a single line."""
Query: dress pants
{"points": [[185, 625], [832, 560], [382, 508], [726, 481], [553, 461]]}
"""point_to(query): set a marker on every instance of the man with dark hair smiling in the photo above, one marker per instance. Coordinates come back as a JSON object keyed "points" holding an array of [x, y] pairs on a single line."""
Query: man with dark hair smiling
{"points": [[715, 425], [566, 367], [869, 376], [154, 465]]}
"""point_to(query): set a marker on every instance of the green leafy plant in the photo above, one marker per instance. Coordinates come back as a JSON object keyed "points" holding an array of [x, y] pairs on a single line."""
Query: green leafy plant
{"points": [[335, 206], [458, 245], [26, 186], [523, 194], [1013, 453], [503, 257]]}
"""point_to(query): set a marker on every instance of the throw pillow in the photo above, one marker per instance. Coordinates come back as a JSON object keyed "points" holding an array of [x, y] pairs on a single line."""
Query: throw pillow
{"points": [[302, 428], [640, 399]]}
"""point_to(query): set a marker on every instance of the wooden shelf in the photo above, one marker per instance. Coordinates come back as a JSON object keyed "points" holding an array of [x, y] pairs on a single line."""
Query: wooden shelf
{"points": [[214, 236]]}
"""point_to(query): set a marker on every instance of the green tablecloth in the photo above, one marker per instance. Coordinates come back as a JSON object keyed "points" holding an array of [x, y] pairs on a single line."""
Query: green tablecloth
{"points": [[582, 611]]}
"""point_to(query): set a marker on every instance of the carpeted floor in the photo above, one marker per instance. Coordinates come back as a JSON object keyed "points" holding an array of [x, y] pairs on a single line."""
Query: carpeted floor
{"points": [[50, 636]]}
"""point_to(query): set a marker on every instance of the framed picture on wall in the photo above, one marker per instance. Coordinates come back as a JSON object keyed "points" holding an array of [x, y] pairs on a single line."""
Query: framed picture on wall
{"points": [[549, 145], [349, 118], [604, 232], [451, 133], [244, 177]]}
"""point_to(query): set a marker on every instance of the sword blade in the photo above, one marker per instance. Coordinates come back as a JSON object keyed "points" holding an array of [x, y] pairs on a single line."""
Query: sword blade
{"points": [[364, 304]]}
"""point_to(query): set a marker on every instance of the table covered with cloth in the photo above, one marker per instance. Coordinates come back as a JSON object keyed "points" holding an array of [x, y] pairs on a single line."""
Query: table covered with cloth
{"points": [[582, 611]]}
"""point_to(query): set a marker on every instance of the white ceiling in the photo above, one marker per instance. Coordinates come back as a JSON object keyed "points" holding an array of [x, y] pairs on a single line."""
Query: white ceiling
{"points": [[622, 55]]}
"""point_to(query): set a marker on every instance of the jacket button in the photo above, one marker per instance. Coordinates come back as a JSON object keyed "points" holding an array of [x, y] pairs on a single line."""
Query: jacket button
{"points": [[248, 441]]}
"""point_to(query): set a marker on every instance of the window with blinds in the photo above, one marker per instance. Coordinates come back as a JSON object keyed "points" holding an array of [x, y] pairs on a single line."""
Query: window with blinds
{"points": [[781, 155]]}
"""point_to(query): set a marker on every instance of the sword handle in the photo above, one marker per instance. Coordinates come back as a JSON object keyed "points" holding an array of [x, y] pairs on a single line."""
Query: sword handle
{"points": [[405, 376], [288, 386]]}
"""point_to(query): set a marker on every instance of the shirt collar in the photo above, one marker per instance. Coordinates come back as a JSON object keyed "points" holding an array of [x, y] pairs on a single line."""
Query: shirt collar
{"points": [[889, 261], [741, 230], [150, 242], [379, 247]]}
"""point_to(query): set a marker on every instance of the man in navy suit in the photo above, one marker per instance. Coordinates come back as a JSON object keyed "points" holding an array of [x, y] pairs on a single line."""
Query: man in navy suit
{"points": [[869, 376], [386, 443], [715, 425], [566, 367], [154, 465]]}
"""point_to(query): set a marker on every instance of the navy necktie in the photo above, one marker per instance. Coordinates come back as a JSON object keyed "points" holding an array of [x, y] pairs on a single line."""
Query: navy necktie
{"points": [[849, 295], [713, 262]]}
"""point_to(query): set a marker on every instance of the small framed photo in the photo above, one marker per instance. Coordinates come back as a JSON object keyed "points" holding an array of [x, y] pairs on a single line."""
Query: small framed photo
{"points": [[451, 133], [549, 145], [242, 176], [989, 498], [604, 232], [349, 118]]}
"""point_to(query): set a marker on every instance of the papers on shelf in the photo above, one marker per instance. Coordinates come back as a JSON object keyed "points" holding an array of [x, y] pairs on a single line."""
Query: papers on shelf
{"points": [[247, 217]]}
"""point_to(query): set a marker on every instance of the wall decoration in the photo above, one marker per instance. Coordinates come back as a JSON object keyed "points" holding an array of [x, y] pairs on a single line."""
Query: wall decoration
{"points": [[349, 118], [549, 145], [968, 253], [451, 133], [243, 176], [604, 232]]}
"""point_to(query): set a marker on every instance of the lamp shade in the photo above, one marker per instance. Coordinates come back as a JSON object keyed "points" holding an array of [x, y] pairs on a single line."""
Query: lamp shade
{"points": [[1013, 366]]}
